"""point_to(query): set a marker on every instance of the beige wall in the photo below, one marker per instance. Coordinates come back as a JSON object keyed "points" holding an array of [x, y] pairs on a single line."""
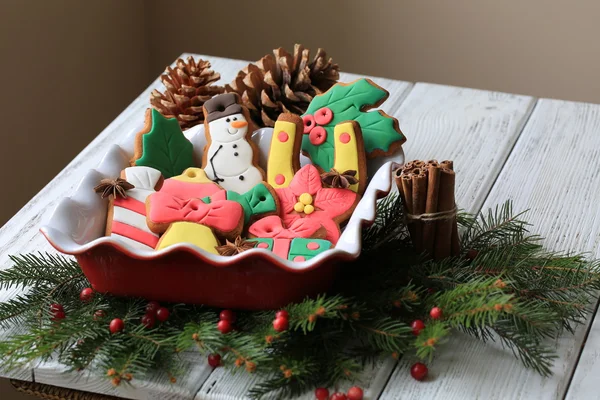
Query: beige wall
{"points": [[70, 66]]}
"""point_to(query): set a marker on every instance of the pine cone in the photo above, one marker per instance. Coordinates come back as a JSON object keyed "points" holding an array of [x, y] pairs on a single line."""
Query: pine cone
{"points": [[188, 86], [281, 83]]}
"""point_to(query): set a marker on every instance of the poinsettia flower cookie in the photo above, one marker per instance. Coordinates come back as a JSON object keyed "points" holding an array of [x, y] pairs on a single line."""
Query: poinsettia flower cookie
{"points": [[305, 193]]}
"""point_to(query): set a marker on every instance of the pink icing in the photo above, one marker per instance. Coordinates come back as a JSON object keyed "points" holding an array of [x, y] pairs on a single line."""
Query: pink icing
{"points": [[263, 245], [223, 215], [281, 247], [279, 179], [313, 246], [317, 135], [323, 116], [131, 204], [309, 123], [134, 233], [344, 138], [282, 136], [299, 258], [186, 190], [273, 227], [329, 203]]}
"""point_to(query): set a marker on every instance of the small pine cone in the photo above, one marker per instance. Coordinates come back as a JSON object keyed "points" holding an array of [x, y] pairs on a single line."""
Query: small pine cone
{"points": [[188, 86], [281, 83]]}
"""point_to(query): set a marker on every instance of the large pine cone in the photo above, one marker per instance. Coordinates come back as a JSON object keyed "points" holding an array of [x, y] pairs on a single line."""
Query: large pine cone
{"points": [[281, 83], [188, 86]]}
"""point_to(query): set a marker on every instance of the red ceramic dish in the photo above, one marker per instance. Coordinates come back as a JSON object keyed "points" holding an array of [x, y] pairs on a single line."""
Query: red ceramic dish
{"points": [[255, 279]]}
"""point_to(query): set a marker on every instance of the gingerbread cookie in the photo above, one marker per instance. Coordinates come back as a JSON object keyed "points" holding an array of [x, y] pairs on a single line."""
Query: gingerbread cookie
{"points": [[284, 153], [230, 157], [349, 102], [258, 202], [306, 198], [271, 230], [162, 145], [126, 220]]}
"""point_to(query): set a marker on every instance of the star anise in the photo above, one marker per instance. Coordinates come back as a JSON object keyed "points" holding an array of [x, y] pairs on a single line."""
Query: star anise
{"points": [[337, 179], [238, 246], [116, 187]]}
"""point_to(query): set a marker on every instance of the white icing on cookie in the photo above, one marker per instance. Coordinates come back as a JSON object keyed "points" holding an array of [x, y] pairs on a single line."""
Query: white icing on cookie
{"points": [[230, 155]]}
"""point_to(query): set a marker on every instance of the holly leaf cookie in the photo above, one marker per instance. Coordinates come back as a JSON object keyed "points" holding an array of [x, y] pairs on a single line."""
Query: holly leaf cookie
{"points": [[349, 102], [162, 145]]}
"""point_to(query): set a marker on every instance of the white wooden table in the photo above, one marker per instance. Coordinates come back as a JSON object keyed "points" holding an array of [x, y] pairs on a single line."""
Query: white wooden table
{"points": [[504, 146]]}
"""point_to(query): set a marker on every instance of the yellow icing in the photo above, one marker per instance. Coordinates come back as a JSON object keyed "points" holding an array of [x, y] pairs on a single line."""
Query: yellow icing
{"points": [[346, 154], [309, 208], [305, 198], [281, 154], [189, 232], [193, 175], [299, 207]]}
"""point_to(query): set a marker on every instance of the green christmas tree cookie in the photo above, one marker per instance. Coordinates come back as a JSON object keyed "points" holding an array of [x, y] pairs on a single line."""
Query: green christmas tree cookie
{"points": [[162, 145]]}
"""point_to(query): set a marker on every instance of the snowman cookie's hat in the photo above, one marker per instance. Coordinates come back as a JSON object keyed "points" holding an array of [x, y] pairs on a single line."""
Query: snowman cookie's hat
{"points": [[221, 106]]}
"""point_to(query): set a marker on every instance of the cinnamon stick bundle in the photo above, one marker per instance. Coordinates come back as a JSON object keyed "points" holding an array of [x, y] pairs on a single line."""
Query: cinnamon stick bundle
{"points": [[427, 192]]}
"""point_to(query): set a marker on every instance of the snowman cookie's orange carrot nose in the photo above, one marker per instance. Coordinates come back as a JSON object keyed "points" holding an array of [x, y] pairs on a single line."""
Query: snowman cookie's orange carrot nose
{"points": [[238, 124]]}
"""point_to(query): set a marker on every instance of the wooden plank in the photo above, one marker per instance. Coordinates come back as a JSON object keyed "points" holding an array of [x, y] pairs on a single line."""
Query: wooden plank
{"points": [[475, 128], [565, 211]]}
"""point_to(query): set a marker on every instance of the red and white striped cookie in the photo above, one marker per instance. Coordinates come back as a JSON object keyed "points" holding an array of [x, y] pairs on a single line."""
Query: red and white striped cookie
{"points": [[126, 220]]}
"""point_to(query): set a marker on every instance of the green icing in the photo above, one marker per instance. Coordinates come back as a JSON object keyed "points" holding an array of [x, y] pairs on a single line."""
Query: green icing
{"points": [[206, 199], [165, 148], [298, 248], [256, 201], [267, 241], [346, 103]]}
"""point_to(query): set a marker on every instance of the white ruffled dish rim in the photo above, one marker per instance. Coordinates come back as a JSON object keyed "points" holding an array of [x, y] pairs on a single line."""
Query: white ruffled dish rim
{"points": [[78, 223]]}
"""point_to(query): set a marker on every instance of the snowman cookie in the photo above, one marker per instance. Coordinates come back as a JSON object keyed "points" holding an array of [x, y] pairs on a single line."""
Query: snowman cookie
{"points": [[230, 157]]}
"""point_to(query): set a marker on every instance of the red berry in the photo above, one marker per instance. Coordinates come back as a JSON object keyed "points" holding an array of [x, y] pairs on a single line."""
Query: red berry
{"points": [[224, 326], [56, 307], [86, 294], [214, 360], [419, 371], [281, 324], [355, 393], [321, 393], [436, 313], [162, 314], [99, 314], [148, 321], [417, 326], [282, 314], [116, 325], [58, 315], [152, 307], [227, 315], [338, 396]]}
